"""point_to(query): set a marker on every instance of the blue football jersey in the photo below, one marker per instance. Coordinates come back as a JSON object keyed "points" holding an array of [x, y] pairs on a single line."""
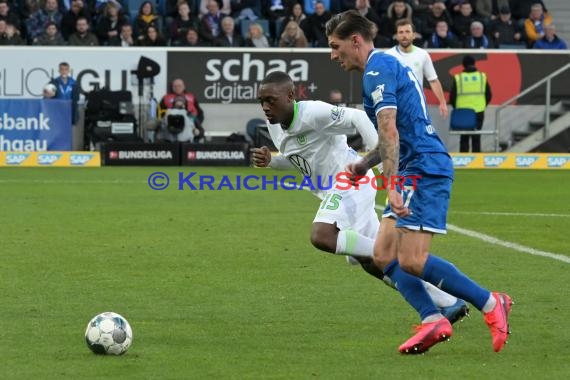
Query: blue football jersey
{"points": [[386, 83]]}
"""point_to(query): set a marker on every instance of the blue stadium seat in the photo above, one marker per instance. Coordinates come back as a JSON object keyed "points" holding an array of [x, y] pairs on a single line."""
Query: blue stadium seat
{"points": [[463, 119]]}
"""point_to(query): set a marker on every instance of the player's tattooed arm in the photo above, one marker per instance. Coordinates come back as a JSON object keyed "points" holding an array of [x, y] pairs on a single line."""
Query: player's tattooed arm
{"points": [[388, 141], [372, 158]]}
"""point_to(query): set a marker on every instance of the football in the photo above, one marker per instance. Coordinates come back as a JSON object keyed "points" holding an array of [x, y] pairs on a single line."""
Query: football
{"points": [[108, 334], [49, 90]]}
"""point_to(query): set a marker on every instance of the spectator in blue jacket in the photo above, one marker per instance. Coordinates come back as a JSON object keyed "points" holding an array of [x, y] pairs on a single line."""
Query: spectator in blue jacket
{"points": [[550, 40]]}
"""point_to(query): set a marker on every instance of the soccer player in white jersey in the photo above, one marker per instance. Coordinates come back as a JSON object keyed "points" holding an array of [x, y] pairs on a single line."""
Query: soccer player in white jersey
{"points": [[418, 60], [311, 136]]}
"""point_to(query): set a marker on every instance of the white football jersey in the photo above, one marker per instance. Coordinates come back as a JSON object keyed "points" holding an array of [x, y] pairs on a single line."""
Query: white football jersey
{"points": [[315, 143], [418, 60]]}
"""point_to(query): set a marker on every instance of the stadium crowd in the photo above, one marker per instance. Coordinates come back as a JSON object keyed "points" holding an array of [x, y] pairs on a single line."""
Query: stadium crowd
{"points": [[264, 23]]}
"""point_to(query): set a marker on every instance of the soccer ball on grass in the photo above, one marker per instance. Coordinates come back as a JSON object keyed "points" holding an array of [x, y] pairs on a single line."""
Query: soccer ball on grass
{"points": [[108, 334]]}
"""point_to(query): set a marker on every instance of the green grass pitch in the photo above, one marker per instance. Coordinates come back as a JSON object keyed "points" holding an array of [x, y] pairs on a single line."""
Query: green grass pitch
{"points": [[225, 284]]}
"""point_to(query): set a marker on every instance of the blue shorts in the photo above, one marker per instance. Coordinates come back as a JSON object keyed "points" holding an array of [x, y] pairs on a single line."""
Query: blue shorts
{"points": [[428, 204]]}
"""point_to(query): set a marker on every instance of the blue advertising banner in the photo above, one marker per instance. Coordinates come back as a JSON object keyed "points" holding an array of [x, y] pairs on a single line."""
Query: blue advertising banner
{"points": [[35, 125]]}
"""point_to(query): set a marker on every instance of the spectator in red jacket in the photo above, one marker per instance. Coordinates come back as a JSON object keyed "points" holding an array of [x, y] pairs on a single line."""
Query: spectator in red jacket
{"points": [[178, 88]]}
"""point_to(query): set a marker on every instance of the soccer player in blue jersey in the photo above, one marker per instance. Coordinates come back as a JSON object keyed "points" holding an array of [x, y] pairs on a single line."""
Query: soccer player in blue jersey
{"points": [[409, 146]]}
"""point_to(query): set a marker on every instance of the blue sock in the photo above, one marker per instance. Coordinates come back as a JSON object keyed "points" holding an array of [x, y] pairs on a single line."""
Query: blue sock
{"points": [[447, 277], [412, 289]]}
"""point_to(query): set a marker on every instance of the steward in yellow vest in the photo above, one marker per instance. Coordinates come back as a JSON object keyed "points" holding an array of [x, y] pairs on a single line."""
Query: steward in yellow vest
{"points": [[470, 89]]}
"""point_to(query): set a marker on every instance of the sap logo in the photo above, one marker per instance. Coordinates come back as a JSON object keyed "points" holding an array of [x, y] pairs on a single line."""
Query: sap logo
{"points": [[557, 162], [80, 159], [48, 159], [525, 161], [494, 161], [462, 161], [16, 159]]}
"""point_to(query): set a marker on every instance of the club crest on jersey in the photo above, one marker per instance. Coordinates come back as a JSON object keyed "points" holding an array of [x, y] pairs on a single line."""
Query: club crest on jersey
{"points": [[302, 139], [378, 94]]}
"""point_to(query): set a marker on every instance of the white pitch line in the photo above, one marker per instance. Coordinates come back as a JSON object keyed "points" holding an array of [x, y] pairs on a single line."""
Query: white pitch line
{"points": [[496, 213], [493, 240], [508, 244], [503, 243]]}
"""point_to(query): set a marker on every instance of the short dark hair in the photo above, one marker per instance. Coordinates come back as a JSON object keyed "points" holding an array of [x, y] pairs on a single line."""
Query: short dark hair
{"points": [[349, 22], [468, 61], [405, 21], [277, 77]]}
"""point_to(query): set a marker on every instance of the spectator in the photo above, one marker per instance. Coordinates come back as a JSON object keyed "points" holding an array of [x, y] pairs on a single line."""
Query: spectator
{"points": [[398, 10], [381, 6], [311, 6], [443, 38], [66, 88], [69, 19], [37, 22], [172, 9], [438, 13], [522, 8], [477, 38], [152, 38], [247, 9], [256, 36], [125, 37], [550, 40], [183, 21], [110, 23], [276, 11], [51, 36], [293, 36], [28, 8], [224, 6], [10, 35], [7, 15], [534, 24], [193, 39], [179, 125], [487, 10], [336, 98], [146, 17], [422, 8], [379, 40], [504, 30], [363, 7], [462, 21], [470, 89], [229, 37], [82, 35], [97, 7], [296, 14], [210, 24], [316, 25], [178, 88]]}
